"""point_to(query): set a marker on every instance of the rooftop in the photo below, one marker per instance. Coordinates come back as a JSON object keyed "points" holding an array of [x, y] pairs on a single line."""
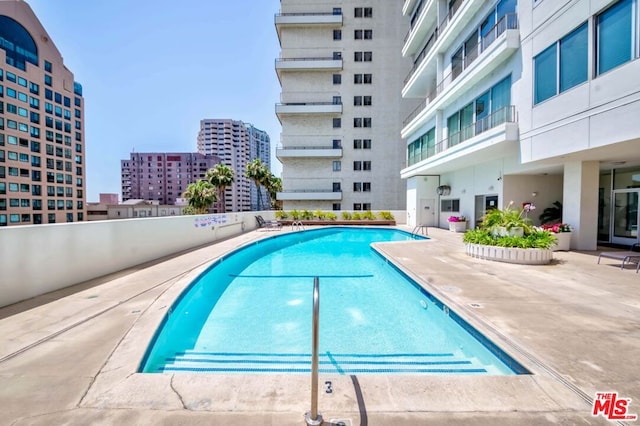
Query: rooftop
{"points": [[70, 357]]}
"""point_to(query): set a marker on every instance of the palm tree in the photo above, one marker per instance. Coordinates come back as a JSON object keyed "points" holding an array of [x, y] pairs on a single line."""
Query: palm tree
{"points": [[220, 176], [200, 196], [273, 185], [257, 171]]}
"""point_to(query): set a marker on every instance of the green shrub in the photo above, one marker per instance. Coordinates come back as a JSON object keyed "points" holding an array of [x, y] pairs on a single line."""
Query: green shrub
{"points": [[296, 215], [346, 216], [385, 215], [307, 215], [280, 214], [356, 216], [331, 216], [368, 215], [535, 239], [319, 214], [508, 218]]}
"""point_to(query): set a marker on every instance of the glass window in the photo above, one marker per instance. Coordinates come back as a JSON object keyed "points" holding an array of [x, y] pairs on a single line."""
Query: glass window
{"points": [[573, 58], [545, 81], [614, 36], [337, 165], [47, 66], [48, 80], [337, 79], [337, 34]]}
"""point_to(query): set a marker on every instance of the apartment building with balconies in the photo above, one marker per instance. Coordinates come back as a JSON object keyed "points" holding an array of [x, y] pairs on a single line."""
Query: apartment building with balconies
{"points": [[236, 143], [340, 107], [42, 143], [525, 102]]}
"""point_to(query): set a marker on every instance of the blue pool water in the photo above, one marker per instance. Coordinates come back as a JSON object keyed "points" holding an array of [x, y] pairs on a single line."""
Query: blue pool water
{"points": [[251, 312]]}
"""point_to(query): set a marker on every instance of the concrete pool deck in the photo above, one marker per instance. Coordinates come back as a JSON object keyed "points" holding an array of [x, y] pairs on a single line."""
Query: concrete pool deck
{"points": [[70, 357]]}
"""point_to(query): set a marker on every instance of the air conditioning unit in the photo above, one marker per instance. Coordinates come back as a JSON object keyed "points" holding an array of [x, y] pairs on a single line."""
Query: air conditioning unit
{"points": [[443, 190]]}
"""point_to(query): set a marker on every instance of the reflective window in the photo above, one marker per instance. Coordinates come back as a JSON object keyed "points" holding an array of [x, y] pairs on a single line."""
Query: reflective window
{"points": [[545, 81], [614, 36]]}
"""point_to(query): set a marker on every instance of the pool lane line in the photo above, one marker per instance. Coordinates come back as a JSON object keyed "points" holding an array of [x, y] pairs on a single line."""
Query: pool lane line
{"points": [[301, 276]]}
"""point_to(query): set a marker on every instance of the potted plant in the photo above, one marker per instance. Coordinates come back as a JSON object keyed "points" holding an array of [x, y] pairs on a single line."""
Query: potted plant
{"points": [[507, 222], [562, 232], [457, 223]]}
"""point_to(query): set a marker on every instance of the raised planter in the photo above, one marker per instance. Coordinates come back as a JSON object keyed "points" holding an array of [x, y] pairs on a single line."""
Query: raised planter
{"points": [[510, 255], [564, 241], [359, 222]]}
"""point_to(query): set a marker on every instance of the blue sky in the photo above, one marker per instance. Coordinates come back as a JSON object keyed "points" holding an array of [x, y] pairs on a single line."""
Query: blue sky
{"points": [[151, 70]]}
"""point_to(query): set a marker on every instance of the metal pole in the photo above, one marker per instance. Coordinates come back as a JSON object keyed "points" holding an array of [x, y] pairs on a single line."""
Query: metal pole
{"points": [[313, 418]]}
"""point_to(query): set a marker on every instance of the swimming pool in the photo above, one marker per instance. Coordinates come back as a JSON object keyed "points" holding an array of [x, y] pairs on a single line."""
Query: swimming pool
{"points": [[251, 312]]}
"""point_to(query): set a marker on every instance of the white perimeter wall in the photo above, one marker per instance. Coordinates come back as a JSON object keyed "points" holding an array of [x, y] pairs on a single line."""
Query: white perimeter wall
{"points": [[39, 259]]}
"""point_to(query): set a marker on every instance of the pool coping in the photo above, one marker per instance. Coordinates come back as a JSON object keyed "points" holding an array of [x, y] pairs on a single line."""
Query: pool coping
{"points": [[120, 386]]}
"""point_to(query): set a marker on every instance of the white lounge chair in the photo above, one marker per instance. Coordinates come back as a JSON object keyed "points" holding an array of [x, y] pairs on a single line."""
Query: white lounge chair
{"points": [[630, 256]]}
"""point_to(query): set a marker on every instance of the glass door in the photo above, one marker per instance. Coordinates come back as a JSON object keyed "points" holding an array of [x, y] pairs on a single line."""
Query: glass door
{"points": [[625, 216]]}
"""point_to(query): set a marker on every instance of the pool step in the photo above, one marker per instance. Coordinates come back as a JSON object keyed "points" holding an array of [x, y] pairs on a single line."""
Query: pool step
{"points": [[224, 362]]}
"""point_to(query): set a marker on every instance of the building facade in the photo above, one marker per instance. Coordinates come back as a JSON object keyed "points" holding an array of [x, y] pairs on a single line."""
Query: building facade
{"points": [[42, 143], [236, 144], [162, 177], [339, 69], [109, 209], [526, 101]]}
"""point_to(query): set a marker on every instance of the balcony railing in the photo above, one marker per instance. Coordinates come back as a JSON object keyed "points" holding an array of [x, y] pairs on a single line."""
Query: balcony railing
{"points": [[501, 116], [443, 24], [326, 58], [336, 12]]}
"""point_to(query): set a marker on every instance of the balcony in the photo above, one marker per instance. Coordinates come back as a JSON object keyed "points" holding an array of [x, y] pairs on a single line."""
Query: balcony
{"points": [[407, 7], [309, 195], [305, 19], [308, 64], [438, 41], [307, 108], [486, 139], [423, 20], [308, 152], [495, 48]]}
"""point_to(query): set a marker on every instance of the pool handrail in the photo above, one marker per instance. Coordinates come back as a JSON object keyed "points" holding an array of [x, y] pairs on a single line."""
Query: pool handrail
{"points": [[312, 417]]}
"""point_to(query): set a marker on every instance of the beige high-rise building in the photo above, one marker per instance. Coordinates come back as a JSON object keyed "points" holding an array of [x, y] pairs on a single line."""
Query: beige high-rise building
{"points": [[42, 160], [341, 69]]}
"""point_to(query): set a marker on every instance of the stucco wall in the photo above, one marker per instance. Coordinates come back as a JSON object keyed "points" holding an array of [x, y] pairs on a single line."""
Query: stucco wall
{"points": [[41, 258]]}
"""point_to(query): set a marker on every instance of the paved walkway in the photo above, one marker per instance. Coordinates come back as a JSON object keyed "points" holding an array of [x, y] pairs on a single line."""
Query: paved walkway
{"points": [[70, 357]]}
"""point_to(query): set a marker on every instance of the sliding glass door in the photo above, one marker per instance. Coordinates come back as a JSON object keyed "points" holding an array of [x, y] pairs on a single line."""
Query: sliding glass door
{"points": [[625, 216]]}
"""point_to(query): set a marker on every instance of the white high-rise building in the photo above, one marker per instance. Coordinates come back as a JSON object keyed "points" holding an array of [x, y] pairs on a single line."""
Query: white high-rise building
{"points": [[236, 144], [526, 101], [341, 111]]}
